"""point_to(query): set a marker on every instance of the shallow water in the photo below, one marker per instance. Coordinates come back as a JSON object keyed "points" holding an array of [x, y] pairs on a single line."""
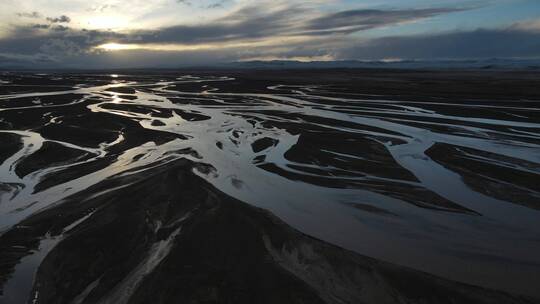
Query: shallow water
{"points": [[429, 185]]}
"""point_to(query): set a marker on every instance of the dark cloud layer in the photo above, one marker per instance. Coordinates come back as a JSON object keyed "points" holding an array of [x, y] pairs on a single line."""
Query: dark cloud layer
{"points": [[482, 43], [356, 20], [322, 35], [253, 23], [30, 40], [247, 23]]}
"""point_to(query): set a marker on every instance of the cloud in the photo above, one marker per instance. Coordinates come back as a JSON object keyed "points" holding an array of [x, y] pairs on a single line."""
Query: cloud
{"points": [[60, 28], [218, 4], [184, 2], [529, 25], [357, 20], [37, 15], [41, 26], [30, 39], [53, 47], [61, 19], [482, 43], [259, 22], [8, 59], [102, 8], [247, 23], [33, 15]]}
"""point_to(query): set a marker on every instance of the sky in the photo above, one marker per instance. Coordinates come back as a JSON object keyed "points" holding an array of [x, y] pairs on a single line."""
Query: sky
{"points": [[175, 33]]}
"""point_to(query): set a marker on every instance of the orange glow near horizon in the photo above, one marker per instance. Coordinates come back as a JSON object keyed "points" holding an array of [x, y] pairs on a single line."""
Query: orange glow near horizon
{"points": [[178, 47], [116, 47]]}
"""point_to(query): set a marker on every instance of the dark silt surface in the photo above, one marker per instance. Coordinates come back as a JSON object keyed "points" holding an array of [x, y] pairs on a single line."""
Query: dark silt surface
{"points": [[270, 186]]}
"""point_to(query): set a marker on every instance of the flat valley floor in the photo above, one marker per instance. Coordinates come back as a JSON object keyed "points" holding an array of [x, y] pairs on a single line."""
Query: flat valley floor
{"points": [[270, 186]]}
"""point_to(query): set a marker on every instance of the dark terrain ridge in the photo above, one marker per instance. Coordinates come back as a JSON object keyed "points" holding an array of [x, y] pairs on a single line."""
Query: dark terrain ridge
{"points": [[161, 233]]}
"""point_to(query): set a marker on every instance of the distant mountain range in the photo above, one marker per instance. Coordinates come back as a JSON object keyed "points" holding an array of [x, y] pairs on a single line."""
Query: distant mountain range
{"points": [[493, 63]]}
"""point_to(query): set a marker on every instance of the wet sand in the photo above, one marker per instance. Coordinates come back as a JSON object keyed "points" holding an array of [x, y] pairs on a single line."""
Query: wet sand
{"points": [[245, 186]]}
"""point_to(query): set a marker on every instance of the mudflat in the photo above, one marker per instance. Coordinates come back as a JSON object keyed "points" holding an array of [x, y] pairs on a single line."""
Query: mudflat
{"points": [[270, 186]]}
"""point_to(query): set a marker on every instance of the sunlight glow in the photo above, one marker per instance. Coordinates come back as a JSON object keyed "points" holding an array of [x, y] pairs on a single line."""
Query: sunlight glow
{"points": [[176, 47], [117, 47]]}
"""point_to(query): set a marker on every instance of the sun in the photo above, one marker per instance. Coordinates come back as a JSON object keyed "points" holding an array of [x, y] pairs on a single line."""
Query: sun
{"points": [[115, 46]]}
